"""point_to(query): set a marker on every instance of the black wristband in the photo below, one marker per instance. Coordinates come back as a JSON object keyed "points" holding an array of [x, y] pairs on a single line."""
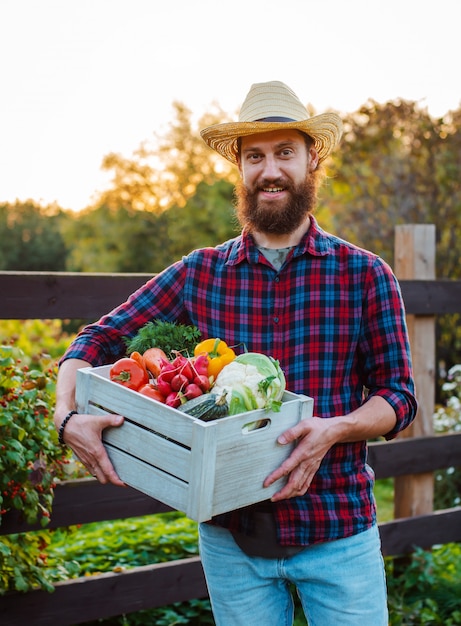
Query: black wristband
{"points": [[63, 425]]}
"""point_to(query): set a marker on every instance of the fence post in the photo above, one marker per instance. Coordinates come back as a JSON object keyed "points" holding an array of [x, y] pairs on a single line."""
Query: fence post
{"points": [[415, 259]]}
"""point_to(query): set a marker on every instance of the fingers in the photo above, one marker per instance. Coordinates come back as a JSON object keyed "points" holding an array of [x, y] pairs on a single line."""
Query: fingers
{"points": [[302, 464], [85, 439], [298, 483], [104, 471]]}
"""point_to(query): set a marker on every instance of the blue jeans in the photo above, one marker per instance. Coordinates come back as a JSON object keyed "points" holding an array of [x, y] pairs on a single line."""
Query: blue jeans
{"points": [[339, 583]]}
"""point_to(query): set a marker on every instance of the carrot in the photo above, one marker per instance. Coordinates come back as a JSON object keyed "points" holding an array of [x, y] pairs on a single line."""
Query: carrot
{"points": [[153, 359], [137, 356]]}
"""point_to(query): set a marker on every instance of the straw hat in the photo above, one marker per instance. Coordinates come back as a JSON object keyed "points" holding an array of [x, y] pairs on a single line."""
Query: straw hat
{"points": [[273, 106]]}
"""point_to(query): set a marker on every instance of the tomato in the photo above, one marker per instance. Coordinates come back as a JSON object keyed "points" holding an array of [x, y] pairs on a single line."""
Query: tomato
{"points": [[153, 359], [129, 373], [151, 392]]}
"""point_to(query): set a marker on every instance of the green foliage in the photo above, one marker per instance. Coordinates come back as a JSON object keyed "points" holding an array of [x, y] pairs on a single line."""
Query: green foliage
{"points": [[427, 590], [24, 563], [117, 239], [39, 340], [168, 336], [120, 544], [31, 238], [30, 462], [398, 165], [206, 220], [384, 495]]}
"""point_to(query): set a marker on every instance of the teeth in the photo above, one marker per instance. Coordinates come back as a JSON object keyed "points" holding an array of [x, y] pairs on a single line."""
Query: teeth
{"points": [[273, 189]]}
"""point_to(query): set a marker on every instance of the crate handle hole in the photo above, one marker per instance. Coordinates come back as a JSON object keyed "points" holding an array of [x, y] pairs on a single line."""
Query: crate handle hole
{"points": [[256, 425]]}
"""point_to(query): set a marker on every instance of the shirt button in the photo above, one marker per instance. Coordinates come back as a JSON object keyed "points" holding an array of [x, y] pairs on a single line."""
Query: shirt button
{"points": [[276, 320], [277, 279]]}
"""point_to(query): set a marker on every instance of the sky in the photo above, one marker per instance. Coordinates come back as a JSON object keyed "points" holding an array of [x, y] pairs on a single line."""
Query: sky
{"points": [[82, 78]]}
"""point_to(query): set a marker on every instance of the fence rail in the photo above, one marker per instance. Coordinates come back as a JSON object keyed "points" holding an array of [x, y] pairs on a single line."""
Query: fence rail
{"points": [[43, 295], [66, 295]]}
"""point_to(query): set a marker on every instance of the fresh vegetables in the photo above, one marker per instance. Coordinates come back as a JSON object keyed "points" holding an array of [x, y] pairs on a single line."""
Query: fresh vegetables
{"points": [[212, 383], [165, 335], [151, 391], [218, 352], [252, 381], [153, 359], [207, 407], [129, 373]]}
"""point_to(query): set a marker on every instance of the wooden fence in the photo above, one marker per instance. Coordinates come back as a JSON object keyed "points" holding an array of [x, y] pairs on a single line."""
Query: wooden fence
{"points": [[42, 295]]}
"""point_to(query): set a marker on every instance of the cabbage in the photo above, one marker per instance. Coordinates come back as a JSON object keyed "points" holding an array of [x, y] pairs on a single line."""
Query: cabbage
{"points": [[252, 381]]}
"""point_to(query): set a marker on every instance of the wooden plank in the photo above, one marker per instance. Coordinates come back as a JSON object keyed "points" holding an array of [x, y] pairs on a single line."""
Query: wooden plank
{"points": [[67, 295], [64, 295], [107, 595], [86, 500], [431, 297], [402, 536], [414, 455], [415, 259]]}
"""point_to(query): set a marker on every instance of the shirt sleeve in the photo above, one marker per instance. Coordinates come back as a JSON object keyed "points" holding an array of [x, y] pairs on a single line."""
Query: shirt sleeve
{"points": [[104, 341], [385, 346]]}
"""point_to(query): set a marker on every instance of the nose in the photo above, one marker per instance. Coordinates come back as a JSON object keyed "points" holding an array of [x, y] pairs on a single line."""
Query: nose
{"points": [[271, 169]]}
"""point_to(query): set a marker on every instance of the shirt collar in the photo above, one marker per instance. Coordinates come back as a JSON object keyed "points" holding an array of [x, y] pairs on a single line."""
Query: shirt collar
{"points": [[315, 242]]}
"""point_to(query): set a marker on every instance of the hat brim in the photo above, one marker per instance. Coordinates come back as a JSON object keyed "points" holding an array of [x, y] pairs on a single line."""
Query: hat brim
{"points": [[325, 129]]}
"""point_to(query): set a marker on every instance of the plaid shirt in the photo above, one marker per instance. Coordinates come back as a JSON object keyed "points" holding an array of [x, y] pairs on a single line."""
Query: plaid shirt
{"points": [[333, 316]]}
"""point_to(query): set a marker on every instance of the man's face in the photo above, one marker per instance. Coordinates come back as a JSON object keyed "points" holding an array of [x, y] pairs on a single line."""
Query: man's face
{"points": [[277, 189]]}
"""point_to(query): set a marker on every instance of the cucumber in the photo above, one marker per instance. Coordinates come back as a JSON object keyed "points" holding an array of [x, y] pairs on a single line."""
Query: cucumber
{"points": [[207, 407]]}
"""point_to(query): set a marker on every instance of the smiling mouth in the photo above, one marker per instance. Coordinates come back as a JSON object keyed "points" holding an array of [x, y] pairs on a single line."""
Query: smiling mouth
{"points": [[272, 189]]}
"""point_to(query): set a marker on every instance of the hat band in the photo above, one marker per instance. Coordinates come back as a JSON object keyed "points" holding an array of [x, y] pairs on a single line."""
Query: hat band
{"points": [[274, 118]]}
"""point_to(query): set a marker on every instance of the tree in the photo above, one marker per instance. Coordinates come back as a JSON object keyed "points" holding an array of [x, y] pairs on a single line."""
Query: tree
{"points": [[31, 237], [206, 220], [166, 172], [117, 239], [398, 165]]}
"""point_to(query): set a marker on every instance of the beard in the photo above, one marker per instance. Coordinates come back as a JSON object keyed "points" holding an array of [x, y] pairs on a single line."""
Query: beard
{"points": [[276, 217]]}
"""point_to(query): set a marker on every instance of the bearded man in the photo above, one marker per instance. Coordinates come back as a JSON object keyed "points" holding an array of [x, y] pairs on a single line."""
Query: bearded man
{"points": [[332, 315]]}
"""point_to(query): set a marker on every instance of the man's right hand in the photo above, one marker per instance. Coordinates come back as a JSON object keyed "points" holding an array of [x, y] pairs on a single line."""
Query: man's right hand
{"points": [[83, 433]]}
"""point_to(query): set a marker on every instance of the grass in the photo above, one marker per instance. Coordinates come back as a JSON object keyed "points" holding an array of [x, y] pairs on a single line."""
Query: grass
{"points": [[384, 494]]}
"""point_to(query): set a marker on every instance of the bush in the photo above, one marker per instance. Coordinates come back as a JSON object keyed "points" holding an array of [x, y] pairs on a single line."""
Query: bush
{"points": [[427, 590], [122, 544], [30, 462]]}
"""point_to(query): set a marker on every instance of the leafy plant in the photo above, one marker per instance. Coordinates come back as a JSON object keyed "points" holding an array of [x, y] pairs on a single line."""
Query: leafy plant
{"points": [[30, 462], [428, 590], [116, 545], [168, 336]]}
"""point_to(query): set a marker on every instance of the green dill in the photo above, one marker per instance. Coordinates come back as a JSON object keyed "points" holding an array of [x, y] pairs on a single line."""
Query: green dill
{"points": [[168, 336]]}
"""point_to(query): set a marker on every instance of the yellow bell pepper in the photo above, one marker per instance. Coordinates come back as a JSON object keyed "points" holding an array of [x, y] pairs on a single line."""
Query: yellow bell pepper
{"points": [[218, 352]]}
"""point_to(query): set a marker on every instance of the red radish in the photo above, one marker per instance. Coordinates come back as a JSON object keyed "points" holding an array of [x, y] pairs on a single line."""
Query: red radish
{"points": [[203, 382], [168, 371], [200, 364], [179, 382], [163, 386], [173, 400], [192, 391]]}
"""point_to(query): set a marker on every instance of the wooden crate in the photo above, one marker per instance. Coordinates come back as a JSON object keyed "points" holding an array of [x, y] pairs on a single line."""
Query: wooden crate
{"points": [[199, 468]]}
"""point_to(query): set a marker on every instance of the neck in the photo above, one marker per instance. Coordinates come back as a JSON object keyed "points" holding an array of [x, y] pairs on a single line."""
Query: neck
{"points": [[275, 240]]}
